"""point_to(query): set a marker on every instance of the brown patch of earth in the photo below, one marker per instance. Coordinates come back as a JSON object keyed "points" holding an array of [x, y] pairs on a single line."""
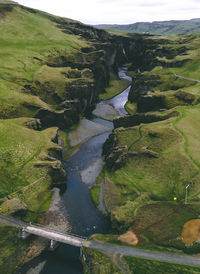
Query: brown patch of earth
{"points": [[129, 238], [191, 232]]}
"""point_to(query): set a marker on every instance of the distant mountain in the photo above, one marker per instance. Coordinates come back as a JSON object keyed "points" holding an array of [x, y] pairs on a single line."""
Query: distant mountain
{"points": [[158, 27]]}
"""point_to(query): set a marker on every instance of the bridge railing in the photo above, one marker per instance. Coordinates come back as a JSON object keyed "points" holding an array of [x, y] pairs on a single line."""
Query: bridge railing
{"points": [[24, 225], [56, 231]]}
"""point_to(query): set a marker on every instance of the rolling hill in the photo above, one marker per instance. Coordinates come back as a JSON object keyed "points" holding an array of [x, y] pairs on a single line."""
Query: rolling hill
{"points": [[158, 27]]}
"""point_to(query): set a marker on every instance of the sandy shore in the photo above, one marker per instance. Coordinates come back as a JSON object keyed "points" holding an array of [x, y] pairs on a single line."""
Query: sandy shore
{"points": [[90, 174], [105, 111], [86, 130]]}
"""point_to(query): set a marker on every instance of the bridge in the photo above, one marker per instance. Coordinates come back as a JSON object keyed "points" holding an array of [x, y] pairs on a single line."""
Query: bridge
{"points": [[79, 241], [44, 232]]}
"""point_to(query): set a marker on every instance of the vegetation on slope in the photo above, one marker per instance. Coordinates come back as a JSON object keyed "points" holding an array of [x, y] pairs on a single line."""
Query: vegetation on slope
{"points": [[97, 262], [153, 155], [52, 70]]}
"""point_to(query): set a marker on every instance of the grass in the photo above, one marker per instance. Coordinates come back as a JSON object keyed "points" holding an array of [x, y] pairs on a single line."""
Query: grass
{"points": [[155, 223], [174, 169], [131, 108], [24, 50], [142, 266], [116, 86], [11, 249], [20, 149], [158, 220], [57, 79], [29, 40], [97, 262], [187, 125], [94, 192]]}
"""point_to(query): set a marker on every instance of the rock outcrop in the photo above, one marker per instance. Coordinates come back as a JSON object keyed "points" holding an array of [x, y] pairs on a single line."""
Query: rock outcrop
{"points": [[142, 118]]}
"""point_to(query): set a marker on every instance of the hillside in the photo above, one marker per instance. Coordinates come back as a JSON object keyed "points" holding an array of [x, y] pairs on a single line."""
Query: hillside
{"points": [[153, 154], [52, 71], [158, 27]]}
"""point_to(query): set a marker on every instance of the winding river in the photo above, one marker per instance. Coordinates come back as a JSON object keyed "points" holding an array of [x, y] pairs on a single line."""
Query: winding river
{"points": [[76, 204]]}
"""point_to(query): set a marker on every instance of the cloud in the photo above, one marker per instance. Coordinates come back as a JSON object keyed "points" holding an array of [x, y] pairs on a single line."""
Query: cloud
{"points": [[118, 11]]}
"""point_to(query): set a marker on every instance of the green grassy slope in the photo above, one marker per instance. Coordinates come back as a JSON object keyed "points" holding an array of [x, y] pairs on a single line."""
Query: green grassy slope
{"points": [[27, 40], [39, 64], [161, 158]]}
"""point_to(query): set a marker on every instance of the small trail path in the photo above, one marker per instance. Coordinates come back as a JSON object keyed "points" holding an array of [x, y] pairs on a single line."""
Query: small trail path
{"points": [[187, 78]]}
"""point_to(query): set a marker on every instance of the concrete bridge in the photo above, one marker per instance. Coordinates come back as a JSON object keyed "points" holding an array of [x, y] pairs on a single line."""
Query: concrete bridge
{"points": [[44, 232], [79, 241]]}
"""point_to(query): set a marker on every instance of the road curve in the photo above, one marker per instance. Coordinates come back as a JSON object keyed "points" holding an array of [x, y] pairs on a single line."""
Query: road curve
{"points": [[145, 254]]}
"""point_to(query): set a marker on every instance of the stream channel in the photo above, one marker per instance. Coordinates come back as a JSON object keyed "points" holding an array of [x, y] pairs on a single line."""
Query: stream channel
{"points": [[76, 204]]}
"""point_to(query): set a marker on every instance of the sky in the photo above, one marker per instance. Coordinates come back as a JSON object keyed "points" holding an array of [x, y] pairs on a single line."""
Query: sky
{"points": [[118, 11]]}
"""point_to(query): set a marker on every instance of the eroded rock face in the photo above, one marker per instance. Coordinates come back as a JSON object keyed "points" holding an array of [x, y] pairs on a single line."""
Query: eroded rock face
{"points": [[33, 124], [109, 144], [115, 157], [62, 119], [139, 118], [185, 96], [56, 171], [151, 103], [141, 85]]}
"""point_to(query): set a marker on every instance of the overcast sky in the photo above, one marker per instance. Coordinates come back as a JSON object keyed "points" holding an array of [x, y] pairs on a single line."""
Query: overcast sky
{"points": [[118, 11]]}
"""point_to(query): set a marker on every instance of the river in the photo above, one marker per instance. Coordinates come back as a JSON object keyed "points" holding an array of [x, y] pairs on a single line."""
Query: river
{"points": [[76, 204]]}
